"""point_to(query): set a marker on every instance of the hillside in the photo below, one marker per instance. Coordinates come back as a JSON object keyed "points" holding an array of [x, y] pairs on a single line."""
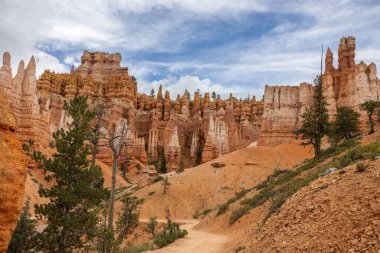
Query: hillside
{"points": [[205, 186]]}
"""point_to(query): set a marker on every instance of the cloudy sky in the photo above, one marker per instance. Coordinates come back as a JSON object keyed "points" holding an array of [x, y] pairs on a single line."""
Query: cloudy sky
{"points": [[214, 45]]}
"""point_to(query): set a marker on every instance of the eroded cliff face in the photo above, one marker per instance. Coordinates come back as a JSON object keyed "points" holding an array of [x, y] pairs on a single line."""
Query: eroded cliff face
{"points": [[13, 171], [157, 125], [283, 107], [349, 85]]}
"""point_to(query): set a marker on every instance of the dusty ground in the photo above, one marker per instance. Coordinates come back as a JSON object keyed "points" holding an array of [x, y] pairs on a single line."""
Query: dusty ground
{"points": [[205, 186], [195, 241]]}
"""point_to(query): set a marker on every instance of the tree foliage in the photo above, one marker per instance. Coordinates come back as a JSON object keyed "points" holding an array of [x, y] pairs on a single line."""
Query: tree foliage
{"points": [[77, 187], [345, 125], [129, 215], [170, 233], [165, 184], [370, 106], [152, 225], [25, 237], [315, 123]]}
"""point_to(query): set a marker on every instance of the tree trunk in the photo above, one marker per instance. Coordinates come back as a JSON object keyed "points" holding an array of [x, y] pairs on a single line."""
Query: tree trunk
{"points": [[112, 198], [372, 125], [94, 152]]}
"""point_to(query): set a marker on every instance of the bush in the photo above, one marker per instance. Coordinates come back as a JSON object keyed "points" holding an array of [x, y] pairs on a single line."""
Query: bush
{"points": [[222, 209], [170, 233], [218, 165], [360, 167], [138, 248], [236, 214], [238, 249], [157, 179]]}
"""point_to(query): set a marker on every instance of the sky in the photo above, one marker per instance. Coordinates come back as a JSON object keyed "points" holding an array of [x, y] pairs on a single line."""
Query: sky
{"points": [[224, 46]]}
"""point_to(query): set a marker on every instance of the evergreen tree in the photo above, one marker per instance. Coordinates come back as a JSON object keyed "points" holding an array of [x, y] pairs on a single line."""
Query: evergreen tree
{"points": [[213, 95], [152, 93], [198, 156], [25, 237], [152, 225], [100, 111], [315, 119], [163, 168], [77, 187], [129, 216], [165, 184], [370, 106], [345, 125]]}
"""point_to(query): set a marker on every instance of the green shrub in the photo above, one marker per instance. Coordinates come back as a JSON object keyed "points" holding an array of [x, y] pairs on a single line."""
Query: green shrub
{"points": [[157, 179], [238, 195], [170, 233], [222, 209], [360, 167], [138, 248], [238, 249], [236, 214]]}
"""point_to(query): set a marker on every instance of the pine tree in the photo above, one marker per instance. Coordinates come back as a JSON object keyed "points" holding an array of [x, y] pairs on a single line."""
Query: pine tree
{"points": [[129, 215], [152, 93], [165, 184], [370, 106], [213, 95], [345, 125], [315, 123], [77, 187], [25, 237], [152, 225], [163, 168], [100, 111]]}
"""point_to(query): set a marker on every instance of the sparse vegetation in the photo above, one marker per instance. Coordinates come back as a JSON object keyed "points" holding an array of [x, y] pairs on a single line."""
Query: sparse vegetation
{"points": [[218, 165], [170, 233], [281, 185], [370, 106], [25, 236], [129, 215], [238, 249], [205, 212], [198, 156], [360, 167], [165, 184], [138, 248], [345, 125], [224, 207], [315, 123], [152, 225]]}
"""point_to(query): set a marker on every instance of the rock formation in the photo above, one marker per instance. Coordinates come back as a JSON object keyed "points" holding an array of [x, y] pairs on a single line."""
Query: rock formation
{"points": [[283, 107], [349, 85], [157, 124], [12, 171]]}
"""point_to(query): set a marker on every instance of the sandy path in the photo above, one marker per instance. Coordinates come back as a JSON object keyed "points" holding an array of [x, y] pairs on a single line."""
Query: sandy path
{"points": [[195, 241]]}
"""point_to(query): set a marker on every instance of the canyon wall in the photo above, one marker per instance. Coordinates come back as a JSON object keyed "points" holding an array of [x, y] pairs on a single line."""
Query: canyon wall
{"points": [[283, 107], [13, 171], [182, 130], [349, 85]]}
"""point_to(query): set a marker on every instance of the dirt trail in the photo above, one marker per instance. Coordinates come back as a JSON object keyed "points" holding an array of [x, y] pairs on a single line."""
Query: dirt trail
{"points": [[195, 241]]}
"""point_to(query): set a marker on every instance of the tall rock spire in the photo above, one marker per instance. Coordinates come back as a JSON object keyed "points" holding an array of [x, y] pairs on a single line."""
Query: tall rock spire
{"points": [[329, 61]]}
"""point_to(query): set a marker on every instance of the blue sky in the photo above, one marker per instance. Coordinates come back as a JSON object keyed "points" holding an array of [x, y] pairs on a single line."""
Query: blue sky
{"points": [[216, 45]]}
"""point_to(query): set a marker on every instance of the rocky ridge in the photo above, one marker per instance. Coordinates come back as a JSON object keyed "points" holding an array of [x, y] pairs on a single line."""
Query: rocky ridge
{"points": [[350, 84], [179, 129], [12, 173]]}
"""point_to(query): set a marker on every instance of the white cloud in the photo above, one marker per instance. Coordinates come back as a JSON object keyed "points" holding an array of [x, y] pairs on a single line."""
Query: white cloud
{"points": [[287, 54], [46, 61], [192, 84]]}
